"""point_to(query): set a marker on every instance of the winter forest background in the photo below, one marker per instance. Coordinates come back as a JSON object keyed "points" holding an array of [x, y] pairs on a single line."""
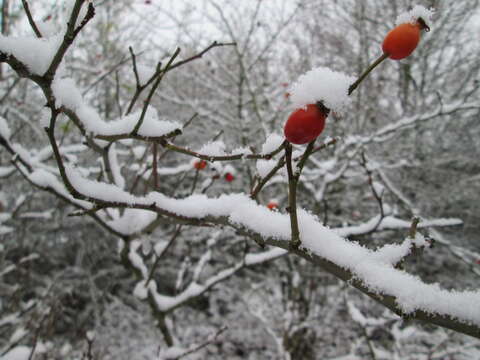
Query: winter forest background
{"points": [[117, 242]]}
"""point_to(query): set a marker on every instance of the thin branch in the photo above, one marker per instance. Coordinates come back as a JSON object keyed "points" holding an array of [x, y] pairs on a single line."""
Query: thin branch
{"points": [[185, 125], [15, 156], [30, 19], [292, 199], [115, 67], [198, 155], [152, 91], [161, 72], [155, 139], [200, 54], [303, 159], [280, 164], [135, 69], [378, 197], [69, 36], [164, 251], [155, 166], [324, 145], [199, 347], [138, 85], [377, 62]]}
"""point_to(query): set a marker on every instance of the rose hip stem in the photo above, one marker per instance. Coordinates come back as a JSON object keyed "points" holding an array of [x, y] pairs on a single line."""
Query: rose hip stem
{"points": [[377, 62]]}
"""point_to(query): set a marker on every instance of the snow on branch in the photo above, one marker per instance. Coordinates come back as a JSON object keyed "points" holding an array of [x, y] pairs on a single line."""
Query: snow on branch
{"points": [[147, 286], [67, 95], [407, 294], [392, 223]]}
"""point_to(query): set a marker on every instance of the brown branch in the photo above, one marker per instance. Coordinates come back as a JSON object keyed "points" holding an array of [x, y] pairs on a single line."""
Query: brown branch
{"points": [[199, 347], [185, 125], [15, 156], [378, 197], [115, 67], [69, 36], [138, 86], [198, 155], [386, 300], [155, 166], [303, 159], [262, 182], [30, 19], [164, 251], [161, 72], [155, 139], [377, 62], [135, 69], [292, 199], [280, 164], [200, 54], [340, 272], [152, 91], [324, 145], [91, 213]]}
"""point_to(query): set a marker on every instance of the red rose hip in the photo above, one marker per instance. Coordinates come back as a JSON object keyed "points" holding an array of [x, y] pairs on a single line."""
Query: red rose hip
{"points": [[272, 205], [401, 41], [304, 125], [200, 164]]}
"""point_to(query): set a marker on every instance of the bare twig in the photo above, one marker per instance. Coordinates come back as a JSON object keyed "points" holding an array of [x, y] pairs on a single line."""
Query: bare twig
{"points": [[280, 164], [207, 342], [377, 62], [199, 55], [155, 166], [185, 125], [303, 159], [164, 251], [198, 155], [30, 19], [70, 35], [152, 91], [378, 197], [135, 69], [292, 199]]}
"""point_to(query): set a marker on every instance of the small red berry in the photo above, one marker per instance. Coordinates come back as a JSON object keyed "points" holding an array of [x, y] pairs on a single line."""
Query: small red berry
{"points": [[272, 205], [200, 164], [304, 125], [402, 40], [229, 177]]}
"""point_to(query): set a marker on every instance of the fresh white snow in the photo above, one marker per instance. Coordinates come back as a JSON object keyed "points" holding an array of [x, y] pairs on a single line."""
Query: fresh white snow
{"points": [[322, 84]]}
